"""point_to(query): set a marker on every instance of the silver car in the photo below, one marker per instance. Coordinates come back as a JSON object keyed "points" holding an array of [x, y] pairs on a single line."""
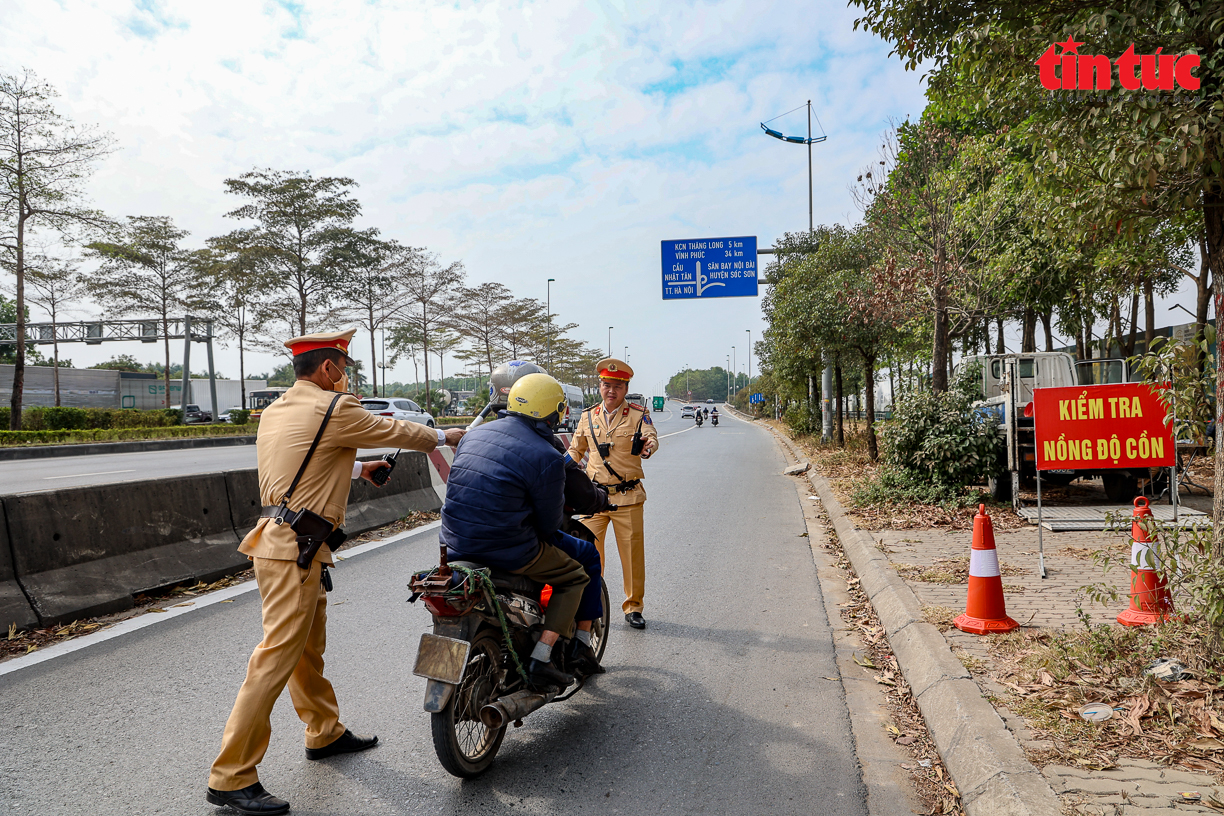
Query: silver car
{"points": [[397, 408]]}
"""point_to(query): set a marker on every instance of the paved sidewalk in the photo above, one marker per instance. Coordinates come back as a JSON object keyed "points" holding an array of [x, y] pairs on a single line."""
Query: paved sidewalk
{"points": [[1136, 787]]}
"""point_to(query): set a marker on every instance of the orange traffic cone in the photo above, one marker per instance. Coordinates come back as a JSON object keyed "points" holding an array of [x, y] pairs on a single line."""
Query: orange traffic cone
{"points": [[1149, 599], [985, 611]]}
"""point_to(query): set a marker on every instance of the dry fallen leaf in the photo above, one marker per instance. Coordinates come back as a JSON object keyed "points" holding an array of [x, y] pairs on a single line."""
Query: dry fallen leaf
{"points": [[864, 662]]}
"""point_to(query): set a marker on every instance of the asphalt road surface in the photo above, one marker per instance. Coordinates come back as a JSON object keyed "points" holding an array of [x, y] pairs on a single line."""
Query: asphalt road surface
{"points": [[726, 704]]}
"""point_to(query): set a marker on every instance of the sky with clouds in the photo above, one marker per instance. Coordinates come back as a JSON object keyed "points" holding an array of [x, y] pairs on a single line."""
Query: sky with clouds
{"points": [[530, 140]]}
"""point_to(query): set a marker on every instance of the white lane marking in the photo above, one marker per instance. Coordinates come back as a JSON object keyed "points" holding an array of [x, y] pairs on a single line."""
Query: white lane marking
{"points": [[83, 475], [153, 618], [673, 433]]}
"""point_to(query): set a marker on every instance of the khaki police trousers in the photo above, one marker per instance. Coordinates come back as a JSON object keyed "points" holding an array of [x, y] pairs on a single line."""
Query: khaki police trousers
{"points": [[631, 543], [291, 652], [568, 579]]}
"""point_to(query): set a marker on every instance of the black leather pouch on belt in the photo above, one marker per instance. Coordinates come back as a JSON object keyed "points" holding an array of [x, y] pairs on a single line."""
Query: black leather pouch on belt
{"points": [[313, 531]]}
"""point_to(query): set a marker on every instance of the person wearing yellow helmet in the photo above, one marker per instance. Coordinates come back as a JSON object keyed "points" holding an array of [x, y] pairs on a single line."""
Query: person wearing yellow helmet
{"points": [[505, 507]]}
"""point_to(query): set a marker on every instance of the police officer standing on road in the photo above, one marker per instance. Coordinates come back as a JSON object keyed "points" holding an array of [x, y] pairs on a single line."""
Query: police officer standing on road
{"points": [[618, 435], [307, 448]]}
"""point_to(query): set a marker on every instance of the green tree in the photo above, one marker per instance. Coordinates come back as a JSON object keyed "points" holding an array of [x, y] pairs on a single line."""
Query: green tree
{"points": [[479, 317], [54, 286], [1115, 157], [121, 362], [933, 243], [44, 163], [430, 288], [234, 288], [146, 272], [303, 230], [376, 295]]}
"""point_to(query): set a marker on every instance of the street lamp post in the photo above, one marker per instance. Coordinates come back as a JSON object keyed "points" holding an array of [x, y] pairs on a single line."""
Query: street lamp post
{"points": [[610, 328], [749, 356], [827, 419], [735, 371], [548, 307], [809, 141]]}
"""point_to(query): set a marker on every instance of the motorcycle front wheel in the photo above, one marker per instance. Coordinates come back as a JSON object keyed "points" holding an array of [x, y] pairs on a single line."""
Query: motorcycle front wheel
{"points": [[599, 627], [464, 745]]}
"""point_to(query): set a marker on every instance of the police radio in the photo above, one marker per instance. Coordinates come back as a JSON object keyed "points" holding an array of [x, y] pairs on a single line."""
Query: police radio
{"points": [[380, 476]]}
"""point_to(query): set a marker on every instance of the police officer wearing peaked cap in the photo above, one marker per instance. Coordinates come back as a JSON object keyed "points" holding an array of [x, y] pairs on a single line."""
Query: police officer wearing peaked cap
{"points": [[618, 435], [294, 599]]}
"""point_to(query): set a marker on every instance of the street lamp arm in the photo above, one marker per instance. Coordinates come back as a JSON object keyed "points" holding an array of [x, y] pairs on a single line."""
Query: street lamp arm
{"points": [[793, 139]]}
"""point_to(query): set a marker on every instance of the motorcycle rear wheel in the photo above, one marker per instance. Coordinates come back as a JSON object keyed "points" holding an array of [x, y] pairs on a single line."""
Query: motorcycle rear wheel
{"points": [[600, 626], [464, 745]]}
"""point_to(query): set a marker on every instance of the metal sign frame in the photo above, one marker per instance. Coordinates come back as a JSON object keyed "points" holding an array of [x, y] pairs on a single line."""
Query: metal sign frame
{"points": [[96, 332]]}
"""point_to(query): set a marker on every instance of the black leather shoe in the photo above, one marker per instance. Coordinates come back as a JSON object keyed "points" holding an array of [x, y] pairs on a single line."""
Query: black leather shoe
{"points": [[252, 799], [349, 743], [635, 620], [582, 659], [542, 674]]}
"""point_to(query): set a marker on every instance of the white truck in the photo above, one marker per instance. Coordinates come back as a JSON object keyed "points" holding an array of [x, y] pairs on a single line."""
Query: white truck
{"points": [[1007, 383]]}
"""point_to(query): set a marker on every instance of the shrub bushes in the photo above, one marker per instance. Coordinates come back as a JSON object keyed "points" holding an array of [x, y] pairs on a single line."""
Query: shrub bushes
{"points": [[941, 438], [63, 418], [802, 418], [117, 434], [239, 416]]}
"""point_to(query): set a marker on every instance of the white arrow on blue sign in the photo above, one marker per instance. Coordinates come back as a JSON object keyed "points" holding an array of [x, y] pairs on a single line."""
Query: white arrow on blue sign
{"points": [[710, 267], [757, 398]]}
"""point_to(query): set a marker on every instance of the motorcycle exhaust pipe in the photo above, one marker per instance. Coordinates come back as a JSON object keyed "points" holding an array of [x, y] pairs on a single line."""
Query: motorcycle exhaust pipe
{"points": [[513, 707]]}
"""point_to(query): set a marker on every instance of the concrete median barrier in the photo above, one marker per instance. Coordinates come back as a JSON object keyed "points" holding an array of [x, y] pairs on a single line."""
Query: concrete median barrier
{"points": [[242, 487], [411, 488], [14, 606], [87, 551]]}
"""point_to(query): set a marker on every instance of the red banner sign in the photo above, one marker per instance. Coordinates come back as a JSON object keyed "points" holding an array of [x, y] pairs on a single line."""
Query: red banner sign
{"points": [[1101, 426]]}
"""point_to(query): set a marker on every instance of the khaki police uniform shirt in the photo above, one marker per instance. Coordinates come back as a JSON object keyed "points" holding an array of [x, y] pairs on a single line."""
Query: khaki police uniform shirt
{"points": [[286, 429], [619, 428]]}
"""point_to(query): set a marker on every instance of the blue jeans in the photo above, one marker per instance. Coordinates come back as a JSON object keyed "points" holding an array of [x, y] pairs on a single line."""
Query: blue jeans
{"points": [[584, 552]]}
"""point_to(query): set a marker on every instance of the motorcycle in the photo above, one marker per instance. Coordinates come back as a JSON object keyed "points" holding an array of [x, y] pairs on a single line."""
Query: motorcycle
{"points": [[699, 418], [714, 420], [484, 626]]}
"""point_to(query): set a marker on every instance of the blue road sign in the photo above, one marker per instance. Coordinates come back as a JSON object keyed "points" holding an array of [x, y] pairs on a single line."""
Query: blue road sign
{"points": [[754, 398], [710, 267]]}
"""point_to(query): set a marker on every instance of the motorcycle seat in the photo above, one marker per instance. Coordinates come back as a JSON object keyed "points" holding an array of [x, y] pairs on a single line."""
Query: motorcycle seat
{"points": [[502, 579]]}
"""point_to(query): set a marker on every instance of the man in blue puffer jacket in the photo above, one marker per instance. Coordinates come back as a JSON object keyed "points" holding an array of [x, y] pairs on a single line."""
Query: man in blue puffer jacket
{"points": [[504, 508]]}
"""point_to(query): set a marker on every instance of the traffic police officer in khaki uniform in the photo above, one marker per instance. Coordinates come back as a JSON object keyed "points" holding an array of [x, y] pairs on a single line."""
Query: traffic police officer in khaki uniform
{"points": [[294, 598], [618, 435]]}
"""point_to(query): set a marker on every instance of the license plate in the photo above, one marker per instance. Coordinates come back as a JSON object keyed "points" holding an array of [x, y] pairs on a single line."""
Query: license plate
{"points": [[441, 658]]}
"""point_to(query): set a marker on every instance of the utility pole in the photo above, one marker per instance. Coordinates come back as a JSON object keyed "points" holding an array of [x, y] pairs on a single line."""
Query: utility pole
{"points": [[610, 340], [811, 228]]}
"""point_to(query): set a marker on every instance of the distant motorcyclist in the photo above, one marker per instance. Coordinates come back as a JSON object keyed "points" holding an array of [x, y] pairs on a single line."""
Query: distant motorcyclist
{"points": [[714, 417], [698, 416], [504, 508]]}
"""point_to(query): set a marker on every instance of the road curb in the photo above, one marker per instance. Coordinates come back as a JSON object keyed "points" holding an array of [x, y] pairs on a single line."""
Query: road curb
{"points": [[984, 759], [10, 454]]}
